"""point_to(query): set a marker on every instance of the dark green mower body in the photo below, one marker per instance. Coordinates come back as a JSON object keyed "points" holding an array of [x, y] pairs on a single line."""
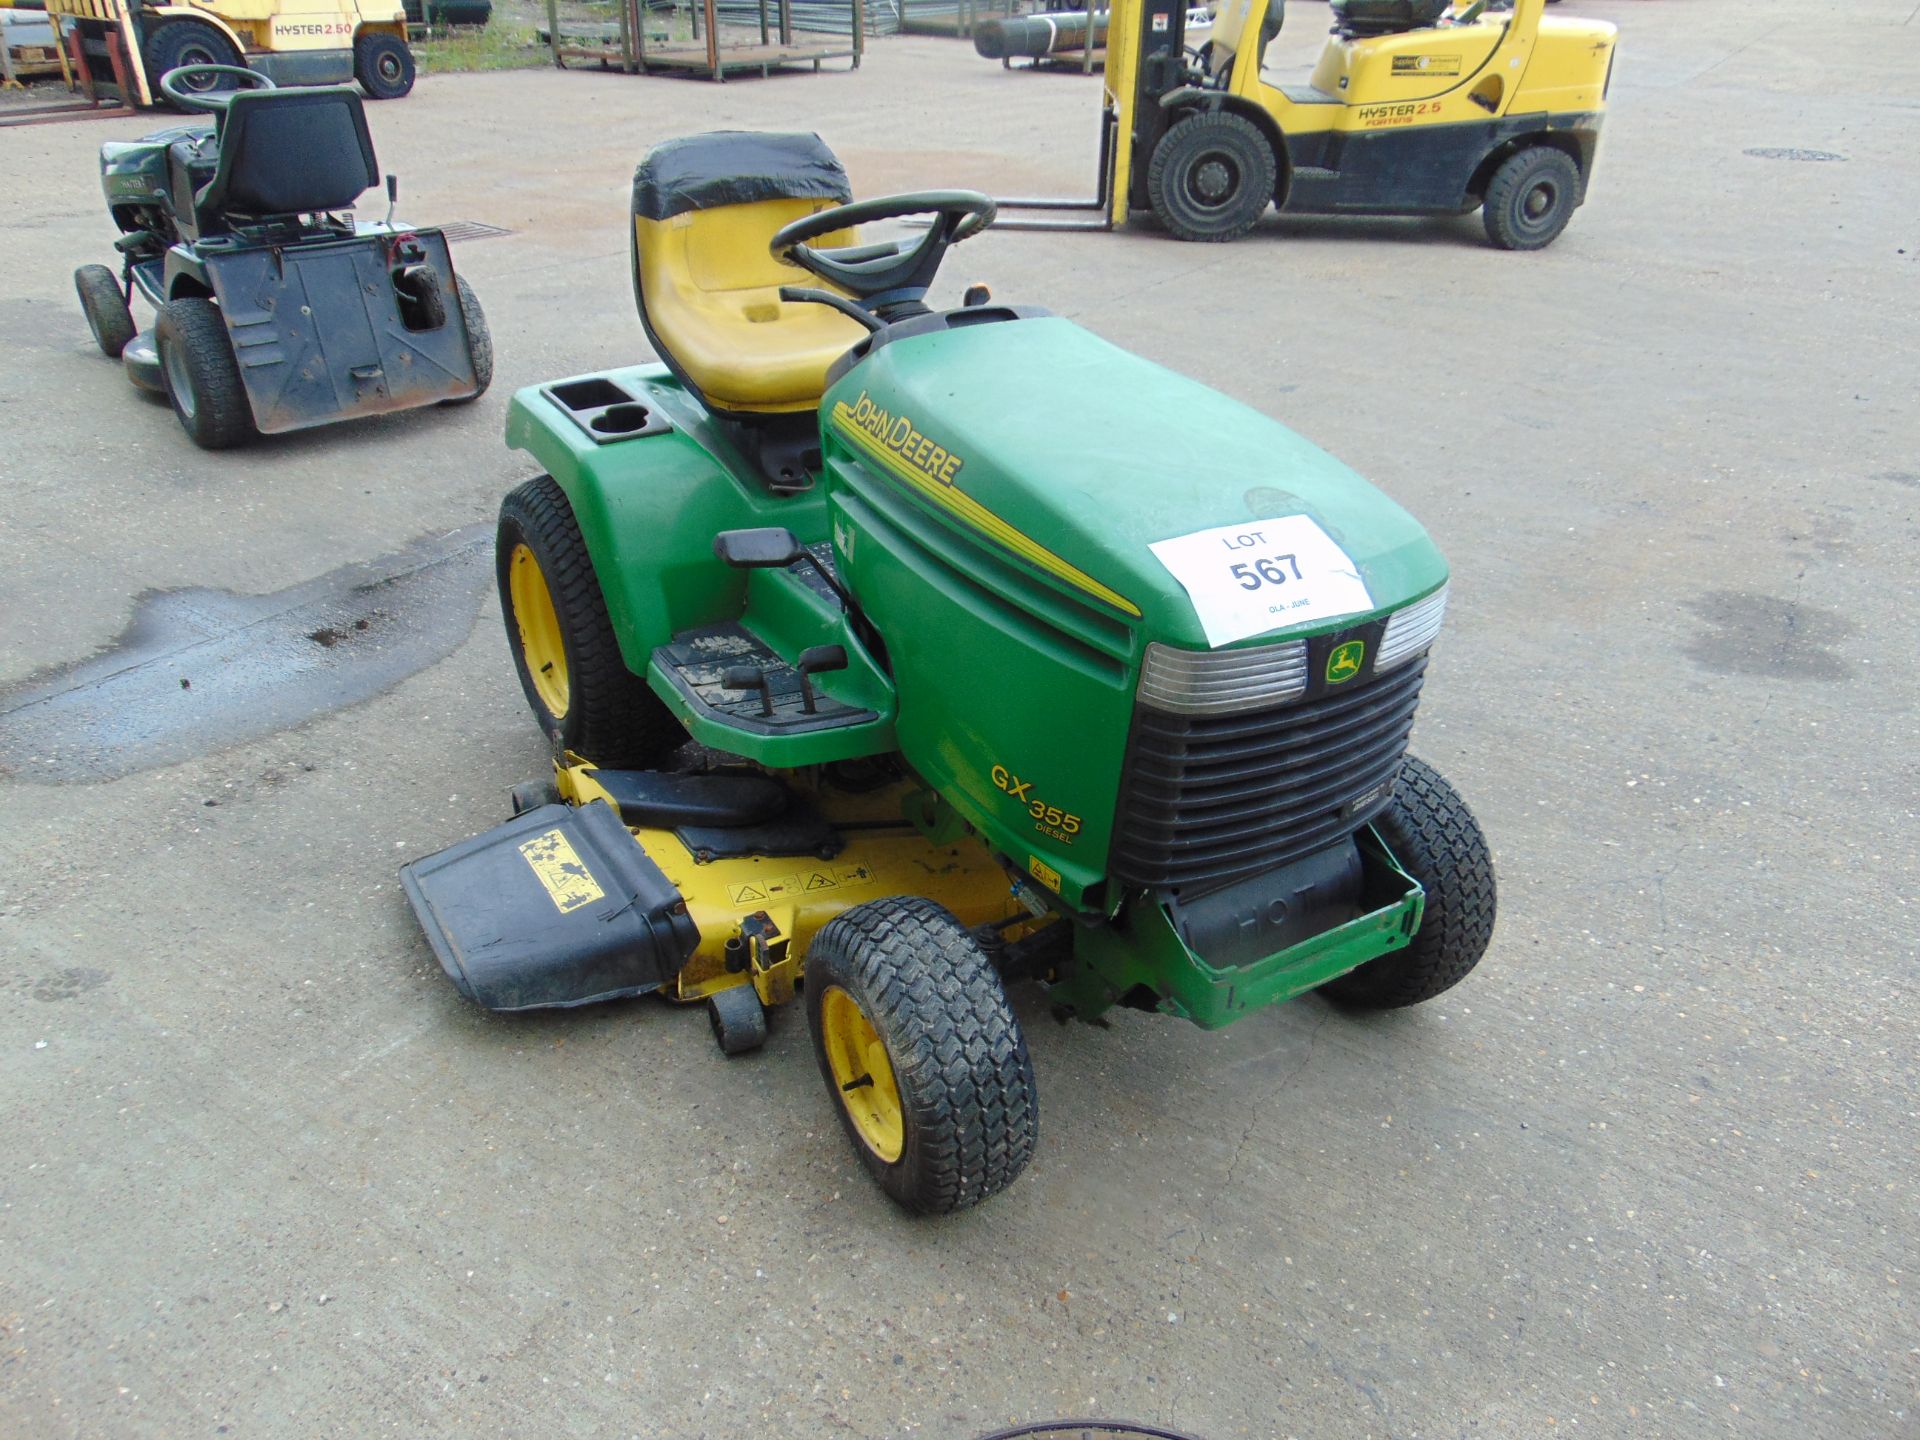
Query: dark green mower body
{"points": [[276, 309]]}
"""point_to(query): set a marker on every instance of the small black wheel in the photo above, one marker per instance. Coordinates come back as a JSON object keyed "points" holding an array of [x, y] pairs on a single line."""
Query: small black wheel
{"points": [[106, 307], [383, 65], [202, 376], [738, 1019], [532, 794], [174, 44], [1531, 198], [423, 303], [479, 340], [928, 1068], [580, 688], [1436, 839], [1211, 176]]}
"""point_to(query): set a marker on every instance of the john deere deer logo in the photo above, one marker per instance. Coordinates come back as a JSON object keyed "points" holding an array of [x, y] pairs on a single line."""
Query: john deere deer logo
{"points": [[1344, 661]]}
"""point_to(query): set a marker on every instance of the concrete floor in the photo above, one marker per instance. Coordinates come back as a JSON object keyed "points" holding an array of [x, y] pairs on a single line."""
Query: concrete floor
{"points": [[1650, 1172]]}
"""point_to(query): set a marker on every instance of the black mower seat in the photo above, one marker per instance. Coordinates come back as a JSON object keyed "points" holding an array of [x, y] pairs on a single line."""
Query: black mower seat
{"points": [[704, 209], [290, 152], [1359, 18]]}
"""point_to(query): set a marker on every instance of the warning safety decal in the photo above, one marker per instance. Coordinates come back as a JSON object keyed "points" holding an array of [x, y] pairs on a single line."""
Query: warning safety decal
{"points": [[788, 888], [559, 867]]}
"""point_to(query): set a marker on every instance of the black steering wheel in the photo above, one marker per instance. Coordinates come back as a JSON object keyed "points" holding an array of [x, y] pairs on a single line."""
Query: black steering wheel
{"points": [[891, 272], [209, 102]]}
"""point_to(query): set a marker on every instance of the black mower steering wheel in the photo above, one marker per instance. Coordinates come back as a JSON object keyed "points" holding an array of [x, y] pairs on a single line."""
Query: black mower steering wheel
{"points": [[892, 272], [208, 102]]}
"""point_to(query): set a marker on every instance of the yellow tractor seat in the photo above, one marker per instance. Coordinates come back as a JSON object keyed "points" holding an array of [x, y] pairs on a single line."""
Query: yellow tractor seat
{"points": [[704, 209]]}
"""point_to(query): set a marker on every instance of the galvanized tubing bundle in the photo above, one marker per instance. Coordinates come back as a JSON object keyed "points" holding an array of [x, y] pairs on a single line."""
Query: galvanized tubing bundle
{"points": [[828, 17]]}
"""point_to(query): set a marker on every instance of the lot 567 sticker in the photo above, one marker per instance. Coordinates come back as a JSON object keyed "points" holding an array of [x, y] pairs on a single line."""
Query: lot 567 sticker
{"points": [[1264, 575]]}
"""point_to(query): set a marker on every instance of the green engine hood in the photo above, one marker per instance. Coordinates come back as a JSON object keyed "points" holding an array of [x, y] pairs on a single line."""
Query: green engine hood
{"points": [[1075, 456]]}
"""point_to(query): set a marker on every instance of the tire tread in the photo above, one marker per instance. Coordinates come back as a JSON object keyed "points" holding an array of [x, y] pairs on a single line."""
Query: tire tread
{"points": [[965, 1075], [612, 717], [1434, 835]]}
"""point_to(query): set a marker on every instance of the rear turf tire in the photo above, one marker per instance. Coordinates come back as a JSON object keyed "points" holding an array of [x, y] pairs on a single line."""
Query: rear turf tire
{"points": [[383, 65], [202, 376], [479, 340], [950, 1115], [105, 305], [1436, 839], [562, 640], [174, 43], [1211, 177], [1531, 198]]}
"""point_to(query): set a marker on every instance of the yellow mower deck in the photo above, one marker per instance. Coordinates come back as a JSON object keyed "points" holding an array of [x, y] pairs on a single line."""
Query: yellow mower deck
{"points": [[757, 914]]}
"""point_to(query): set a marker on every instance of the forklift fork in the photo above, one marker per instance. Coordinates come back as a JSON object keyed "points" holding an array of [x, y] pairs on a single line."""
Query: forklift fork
{"points": [[1062, 214]]}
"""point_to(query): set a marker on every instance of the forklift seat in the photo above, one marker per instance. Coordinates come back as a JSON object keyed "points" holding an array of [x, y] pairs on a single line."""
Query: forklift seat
{"points": [[289, 152], [1359, 19], [704, 209]]}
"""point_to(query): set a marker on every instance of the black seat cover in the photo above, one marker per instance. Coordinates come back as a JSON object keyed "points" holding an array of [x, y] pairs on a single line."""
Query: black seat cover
{"points": [[288, 152], [1386, 17]]}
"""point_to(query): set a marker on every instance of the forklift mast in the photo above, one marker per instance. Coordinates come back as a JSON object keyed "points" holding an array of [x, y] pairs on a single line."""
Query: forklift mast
{"points": [[1151, 34]]}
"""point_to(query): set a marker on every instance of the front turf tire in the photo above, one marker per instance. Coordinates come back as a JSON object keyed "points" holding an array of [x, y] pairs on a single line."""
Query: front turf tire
{"points": [[1437, 841], [921, 1052], [202, 376], [562, 640], [383, 65], [1211, 177], [1531, 198], [105, 305]]}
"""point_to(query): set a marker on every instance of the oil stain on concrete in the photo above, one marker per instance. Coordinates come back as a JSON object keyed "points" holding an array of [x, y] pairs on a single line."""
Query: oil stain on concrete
{"points": [[1766, 635], [199, 670]]}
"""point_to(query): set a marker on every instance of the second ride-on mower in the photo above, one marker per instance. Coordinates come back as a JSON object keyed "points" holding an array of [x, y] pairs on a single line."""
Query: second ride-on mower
{"points": [[276, 309], [1008, 655]]}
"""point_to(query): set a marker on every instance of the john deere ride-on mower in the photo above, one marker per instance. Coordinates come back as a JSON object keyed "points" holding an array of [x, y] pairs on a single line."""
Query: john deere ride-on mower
{"points": [[277, 310], [1006, 655]]}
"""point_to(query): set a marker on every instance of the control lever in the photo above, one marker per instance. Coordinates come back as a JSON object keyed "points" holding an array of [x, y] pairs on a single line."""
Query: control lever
{"points": [[815, 660], [749, 677], [393, 195]]}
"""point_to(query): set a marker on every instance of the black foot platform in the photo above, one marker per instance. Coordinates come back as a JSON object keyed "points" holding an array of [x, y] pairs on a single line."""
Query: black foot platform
{"points": [[697, 663]]}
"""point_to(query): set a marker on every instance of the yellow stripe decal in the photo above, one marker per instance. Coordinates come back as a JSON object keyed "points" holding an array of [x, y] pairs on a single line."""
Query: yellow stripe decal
{"points": [[970, 510]]}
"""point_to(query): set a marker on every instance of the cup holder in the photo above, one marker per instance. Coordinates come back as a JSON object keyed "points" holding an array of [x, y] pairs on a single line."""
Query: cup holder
{"points": [[607, 411], [627, 419]]}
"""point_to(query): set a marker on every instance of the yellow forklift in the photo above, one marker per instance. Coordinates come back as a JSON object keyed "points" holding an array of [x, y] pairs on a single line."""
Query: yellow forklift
{"points": [[117, 50], [1416, 107]]}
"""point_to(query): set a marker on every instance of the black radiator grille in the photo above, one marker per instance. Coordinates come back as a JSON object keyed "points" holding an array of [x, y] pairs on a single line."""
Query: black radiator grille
{"points": [[1205, 799]]}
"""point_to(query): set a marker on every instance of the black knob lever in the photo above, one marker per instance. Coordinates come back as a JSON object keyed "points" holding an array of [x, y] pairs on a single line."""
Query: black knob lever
{"points": [[748, 677], [813, 661]]}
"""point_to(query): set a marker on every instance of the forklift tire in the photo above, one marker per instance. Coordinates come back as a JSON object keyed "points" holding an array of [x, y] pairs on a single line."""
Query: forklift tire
{"points": [[1531, 198], [106, 307], [738, 1018], [915, 1038], [1211, 177], [202, 375], [1437, 841], [580, 688], [383, 65], [479, 341], [174, 43]]}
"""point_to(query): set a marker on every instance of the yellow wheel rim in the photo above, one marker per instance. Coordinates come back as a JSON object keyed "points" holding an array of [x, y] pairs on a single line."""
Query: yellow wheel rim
{"points": [[539, 625], [862, 1074]]}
